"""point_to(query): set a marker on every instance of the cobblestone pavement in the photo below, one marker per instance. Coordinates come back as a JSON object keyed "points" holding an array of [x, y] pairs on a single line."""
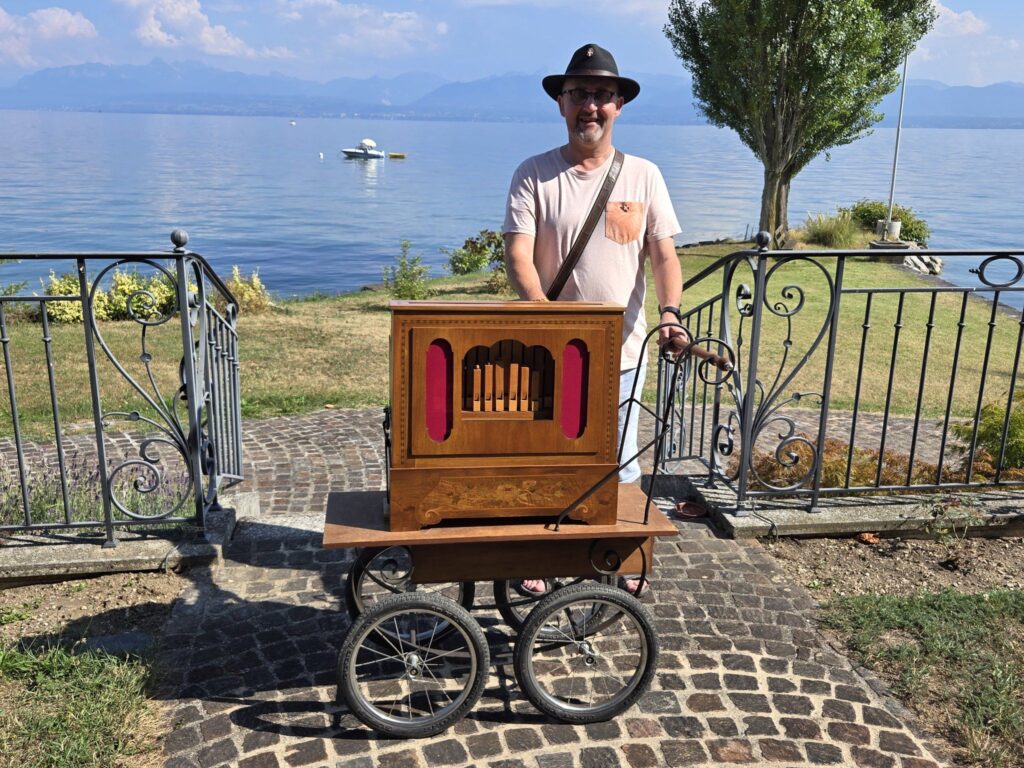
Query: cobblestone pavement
{"points": [[744, 678]]}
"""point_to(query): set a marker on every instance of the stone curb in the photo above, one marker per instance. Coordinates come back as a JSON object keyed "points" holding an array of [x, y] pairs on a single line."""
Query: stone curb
{"points": [[54, 556]]}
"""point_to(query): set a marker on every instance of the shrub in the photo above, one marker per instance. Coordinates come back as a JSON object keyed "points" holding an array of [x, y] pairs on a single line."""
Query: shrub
{"points": [[408, 278], [486, 249], [833, 466], [864, 467], [476, 253], [11, 289], [252, 296], [867, 212], [125, 287], [990, 434], [128, 291], [71, 311], [498, 281], [837, 231]]}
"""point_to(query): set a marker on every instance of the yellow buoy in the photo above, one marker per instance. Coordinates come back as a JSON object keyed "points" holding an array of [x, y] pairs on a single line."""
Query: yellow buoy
{"points": [[396, 155]]}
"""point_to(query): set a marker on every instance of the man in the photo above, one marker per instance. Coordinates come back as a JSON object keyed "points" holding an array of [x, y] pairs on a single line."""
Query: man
{"points": [[549, 199]]}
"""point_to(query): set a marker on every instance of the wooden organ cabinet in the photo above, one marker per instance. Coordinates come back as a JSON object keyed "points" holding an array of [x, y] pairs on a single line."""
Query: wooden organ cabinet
{"points": [[502, 410]]}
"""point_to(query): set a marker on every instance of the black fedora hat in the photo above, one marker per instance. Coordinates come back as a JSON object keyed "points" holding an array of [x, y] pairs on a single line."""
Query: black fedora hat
{"points": [[591, 60]]}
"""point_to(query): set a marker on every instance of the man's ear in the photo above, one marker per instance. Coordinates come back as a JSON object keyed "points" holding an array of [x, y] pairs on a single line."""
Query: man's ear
{"points": [[561, 106]]}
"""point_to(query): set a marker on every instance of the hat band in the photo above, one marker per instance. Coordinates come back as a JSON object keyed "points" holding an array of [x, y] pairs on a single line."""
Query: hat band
{"points": [[592, 73]]}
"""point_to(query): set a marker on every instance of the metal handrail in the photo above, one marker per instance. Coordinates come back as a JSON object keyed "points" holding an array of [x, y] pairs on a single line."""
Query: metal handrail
{"points": [[763, 433], [185, 432], [207, 269]]}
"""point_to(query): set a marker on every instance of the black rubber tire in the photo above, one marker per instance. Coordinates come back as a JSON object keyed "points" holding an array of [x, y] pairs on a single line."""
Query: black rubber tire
{"points": [[463, 631], [515, 608], [615, 606], [355, 600]]}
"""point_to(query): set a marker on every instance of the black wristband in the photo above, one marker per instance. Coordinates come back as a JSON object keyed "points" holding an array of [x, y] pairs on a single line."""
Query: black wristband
{"points": [[674, 310]]}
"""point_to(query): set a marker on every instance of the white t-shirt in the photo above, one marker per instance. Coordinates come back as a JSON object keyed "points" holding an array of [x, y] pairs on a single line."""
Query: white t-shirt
{"points": [[549, 200]]}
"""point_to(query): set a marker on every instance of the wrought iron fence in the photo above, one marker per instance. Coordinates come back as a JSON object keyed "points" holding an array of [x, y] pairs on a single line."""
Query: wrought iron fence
{"points": [[843, 386], [146, 429]]}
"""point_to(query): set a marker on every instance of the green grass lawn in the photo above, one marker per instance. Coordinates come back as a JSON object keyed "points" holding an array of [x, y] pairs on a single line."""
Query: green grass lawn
{"points": [[957, 660], [878, 360], [334, 351], [76, 710]]}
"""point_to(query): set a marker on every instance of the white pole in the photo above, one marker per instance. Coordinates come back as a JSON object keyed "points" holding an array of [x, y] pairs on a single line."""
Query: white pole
{"points": [[896, 154]]}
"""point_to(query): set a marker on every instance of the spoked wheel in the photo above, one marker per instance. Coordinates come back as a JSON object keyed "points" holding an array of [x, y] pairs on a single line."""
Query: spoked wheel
{"points": [[402, 676], [581, 671], [378, 573], [515, 605]]}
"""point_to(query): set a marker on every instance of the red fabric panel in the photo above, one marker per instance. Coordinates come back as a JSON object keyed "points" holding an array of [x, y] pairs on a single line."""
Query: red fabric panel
{"points": [[438, 400], [575, 370]]}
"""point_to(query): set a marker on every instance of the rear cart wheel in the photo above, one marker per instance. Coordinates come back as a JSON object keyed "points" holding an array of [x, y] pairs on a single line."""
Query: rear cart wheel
{"points": [[514, 604], [413, 665], [586, 653], [378, 573]]}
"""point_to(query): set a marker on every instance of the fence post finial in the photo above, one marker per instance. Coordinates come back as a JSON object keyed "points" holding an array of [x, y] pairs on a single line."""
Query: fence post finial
{"points": [[180, 239], [763, 240]]}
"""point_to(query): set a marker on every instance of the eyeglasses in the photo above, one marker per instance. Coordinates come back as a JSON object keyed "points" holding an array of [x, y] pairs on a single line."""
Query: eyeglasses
{"points": [[579, 96]]}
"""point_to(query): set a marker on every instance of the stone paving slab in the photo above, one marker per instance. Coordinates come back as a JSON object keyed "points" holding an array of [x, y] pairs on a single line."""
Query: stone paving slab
{"points": [[744, 677]]}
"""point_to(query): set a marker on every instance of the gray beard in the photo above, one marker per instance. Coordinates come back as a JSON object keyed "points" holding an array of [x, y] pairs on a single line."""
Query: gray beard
{"points": [[589, 139]]}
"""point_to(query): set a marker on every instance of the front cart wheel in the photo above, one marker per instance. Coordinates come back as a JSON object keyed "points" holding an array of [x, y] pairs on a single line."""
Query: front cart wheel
{"points": [[401, 677], [580, 670]]}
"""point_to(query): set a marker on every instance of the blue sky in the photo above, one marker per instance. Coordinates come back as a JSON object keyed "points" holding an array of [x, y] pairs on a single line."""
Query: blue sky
{"points": [[975, 42]]}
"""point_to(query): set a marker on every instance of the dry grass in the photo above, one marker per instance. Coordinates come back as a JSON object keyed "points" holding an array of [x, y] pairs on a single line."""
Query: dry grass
{"points": [[303, 356]]}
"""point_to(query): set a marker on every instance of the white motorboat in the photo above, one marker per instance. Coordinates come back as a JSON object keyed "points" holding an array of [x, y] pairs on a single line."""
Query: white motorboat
{"points": [[367, 150]]}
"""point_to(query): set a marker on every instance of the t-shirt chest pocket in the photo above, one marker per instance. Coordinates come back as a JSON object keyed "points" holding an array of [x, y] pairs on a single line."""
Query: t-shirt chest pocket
{"points": [[623, 221]]}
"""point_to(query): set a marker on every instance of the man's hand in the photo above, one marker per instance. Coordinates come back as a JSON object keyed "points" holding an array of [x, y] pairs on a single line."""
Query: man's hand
{"points": [[673, 335]]}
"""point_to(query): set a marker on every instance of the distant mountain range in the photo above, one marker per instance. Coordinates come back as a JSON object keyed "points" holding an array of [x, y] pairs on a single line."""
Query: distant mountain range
{"points": [[189, 87]]}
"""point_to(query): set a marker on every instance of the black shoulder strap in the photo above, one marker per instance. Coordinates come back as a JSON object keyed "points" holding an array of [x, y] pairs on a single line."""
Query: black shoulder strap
{"points": [[588, 228]]}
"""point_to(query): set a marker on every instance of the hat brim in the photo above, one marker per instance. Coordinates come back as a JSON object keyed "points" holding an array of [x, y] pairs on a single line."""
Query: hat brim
{"points": [[628, 89]]}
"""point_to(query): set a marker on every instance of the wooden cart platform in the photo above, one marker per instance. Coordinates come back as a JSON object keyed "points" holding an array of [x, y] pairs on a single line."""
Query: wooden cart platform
{"points": [[492, 550]]}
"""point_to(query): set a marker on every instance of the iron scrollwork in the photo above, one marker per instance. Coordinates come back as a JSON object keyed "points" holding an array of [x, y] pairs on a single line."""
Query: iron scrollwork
{"points": [[146, 487], [765, 403], [982, 269]]}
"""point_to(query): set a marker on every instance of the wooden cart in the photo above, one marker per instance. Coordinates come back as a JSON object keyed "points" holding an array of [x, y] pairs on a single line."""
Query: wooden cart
{"points": [[415, 661], [502, 464]]}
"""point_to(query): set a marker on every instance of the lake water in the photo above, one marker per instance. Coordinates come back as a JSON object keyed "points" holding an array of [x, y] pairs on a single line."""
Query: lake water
{"points": [[253, 191]]}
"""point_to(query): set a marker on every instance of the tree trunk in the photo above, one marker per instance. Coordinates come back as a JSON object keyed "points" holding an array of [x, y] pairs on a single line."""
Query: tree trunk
{"points": [[782, 209], [769, 203]]}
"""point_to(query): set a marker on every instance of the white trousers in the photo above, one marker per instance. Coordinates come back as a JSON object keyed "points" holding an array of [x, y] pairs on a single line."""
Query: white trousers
{"points": [[631, 472]]}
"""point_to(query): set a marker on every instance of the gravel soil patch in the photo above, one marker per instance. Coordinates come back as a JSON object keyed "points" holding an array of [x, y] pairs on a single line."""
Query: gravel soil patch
{"points": [[840, 570], [867, 565], [90, 607]]}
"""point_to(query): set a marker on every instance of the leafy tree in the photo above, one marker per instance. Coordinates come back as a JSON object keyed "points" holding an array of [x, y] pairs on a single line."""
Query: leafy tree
{"points": [[794, 77]]}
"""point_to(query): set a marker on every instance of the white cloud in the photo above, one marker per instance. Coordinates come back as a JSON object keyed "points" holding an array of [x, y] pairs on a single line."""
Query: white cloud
{"points": [[22, 37], [183, 24], [651, 9], [953, 24], [60, 23], [364, 29], [965, 49]]}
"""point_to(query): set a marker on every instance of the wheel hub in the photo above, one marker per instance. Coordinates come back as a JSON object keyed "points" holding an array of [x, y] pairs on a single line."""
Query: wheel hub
{"points": [[588, 653], [413, 664]]}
